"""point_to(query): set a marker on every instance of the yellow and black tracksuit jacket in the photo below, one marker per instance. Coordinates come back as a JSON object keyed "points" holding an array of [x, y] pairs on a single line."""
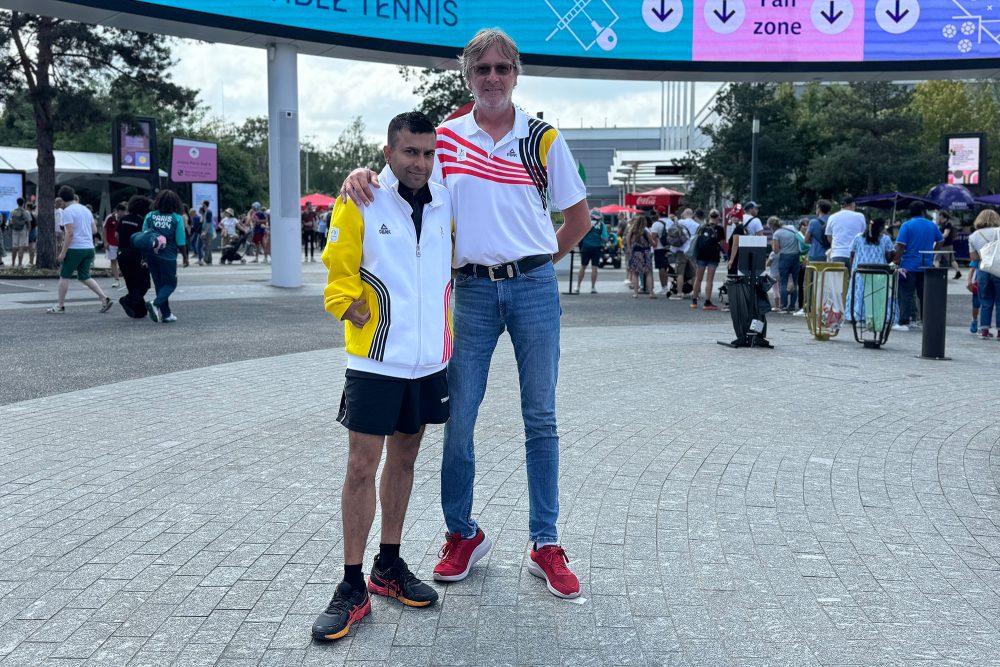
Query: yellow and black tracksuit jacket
{"points": [[373, 254]]}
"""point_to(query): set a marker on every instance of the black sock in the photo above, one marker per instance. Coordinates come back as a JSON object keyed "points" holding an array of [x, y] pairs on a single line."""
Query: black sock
{"points": [[354, 576], [387, 554]]}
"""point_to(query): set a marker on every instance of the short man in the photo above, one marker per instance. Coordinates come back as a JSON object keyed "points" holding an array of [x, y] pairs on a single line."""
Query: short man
{"points": [[111, 241], [396, 251], [591, 249], [841, 229], [20, 226], [504, 252], [207, 232], [679, 236], [660, 261], [917, 237], [752, 226], [77, 253]]}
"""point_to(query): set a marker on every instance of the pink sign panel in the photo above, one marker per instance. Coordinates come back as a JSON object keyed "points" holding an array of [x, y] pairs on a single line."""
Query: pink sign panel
{"points": [[193, 161], [778, 30]]}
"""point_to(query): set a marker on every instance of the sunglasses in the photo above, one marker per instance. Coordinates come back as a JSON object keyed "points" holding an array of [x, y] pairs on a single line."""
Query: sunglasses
{"points": [[503, 69]]}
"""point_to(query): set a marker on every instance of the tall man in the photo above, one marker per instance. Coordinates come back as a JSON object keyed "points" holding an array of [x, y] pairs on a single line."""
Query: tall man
{"points": [[841, 229], [917, 237], [502, 169], [389, 272], [77, 253]]}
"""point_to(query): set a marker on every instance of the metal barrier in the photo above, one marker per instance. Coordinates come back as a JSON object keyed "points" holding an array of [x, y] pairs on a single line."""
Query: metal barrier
{"points": [[825, 291], [872, 303]]}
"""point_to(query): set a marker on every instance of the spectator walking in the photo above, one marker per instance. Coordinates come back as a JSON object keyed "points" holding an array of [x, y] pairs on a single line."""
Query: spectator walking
{"points": [[917, 236], [59, 205], [679, 236], [32, 232], [308, 233], [133, 267], [77, 253], [987, 230], [591, 249], [111, 241], [660, 261], [207, 233], [708, 251], [165, 220], [841, 229]]}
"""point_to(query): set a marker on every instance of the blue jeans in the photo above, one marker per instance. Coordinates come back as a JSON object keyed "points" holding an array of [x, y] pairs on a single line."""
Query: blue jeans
{"points": [[989, 290], [527, 307], [164, 275], [788, 267], [195, 242]]}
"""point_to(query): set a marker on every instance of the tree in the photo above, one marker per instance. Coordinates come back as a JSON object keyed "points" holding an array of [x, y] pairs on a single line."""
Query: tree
{"points": [[441, 91], [62, 68], [723, 170]]}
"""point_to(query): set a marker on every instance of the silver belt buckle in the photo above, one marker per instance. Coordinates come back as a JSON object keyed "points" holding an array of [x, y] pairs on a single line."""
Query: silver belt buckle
{"points": [[491, 270]]}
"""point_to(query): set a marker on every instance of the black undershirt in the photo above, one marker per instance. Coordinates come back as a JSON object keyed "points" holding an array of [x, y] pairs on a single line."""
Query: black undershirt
{"points": [[417, 200]]}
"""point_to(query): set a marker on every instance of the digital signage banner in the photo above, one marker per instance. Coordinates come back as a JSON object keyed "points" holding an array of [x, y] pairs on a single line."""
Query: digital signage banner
{"points": [[965, 158], [11, 188], [643, 33], [134, 146], [192, 161]]}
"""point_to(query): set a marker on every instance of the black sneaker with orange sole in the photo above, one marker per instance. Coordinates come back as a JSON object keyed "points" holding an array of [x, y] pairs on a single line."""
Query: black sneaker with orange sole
{"points": [[348, 606], [396, 581]]}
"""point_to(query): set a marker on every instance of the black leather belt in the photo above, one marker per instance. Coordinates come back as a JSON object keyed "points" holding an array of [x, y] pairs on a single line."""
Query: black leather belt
{"points": [[508, 270]]}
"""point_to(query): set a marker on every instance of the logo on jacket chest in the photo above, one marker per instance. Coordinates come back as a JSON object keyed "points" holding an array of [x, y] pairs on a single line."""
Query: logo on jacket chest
{"points": [[512, 153], [460, 154], [384, 230]]}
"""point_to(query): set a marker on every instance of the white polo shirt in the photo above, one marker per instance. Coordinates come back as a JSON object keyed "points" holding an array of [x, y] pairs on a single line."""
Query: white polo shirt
{"points": [[501, 192]]}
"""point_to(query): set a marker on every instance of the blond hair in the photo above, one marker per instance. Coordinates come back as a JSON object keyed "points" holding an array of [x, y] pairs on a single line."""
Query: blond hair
{"points": [[987, 218], [483, 41]]}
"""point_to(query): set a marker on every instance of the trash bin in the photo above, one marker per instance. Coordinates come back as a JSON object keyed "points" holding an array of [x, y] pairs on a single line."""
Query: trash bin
{"points": [[748, 308], [825, 292], [872, 303]]}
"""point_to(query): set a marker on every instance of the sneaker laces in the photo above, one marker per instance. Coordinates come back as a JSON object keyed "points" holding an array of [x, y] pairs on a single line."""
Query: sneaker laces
{"points": [[556, 558], [448, 550]]}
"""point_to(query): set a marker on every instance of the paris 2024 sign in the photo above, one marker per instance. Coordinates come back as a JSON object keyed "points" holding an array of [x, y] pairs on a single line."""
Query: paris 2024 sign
{"points": [[637, 36]]}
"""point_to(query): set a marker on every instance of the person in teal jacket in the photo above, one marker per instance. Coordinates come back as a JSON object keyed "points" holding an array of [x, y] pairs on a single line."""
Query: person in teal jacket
{"points": [[591, 248], [165, 219]]}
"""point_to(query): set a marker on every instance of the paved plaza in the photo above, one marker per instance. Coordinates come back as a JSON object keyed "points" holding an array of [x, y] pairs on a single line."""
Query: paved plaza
{"points": [[815, 504]]}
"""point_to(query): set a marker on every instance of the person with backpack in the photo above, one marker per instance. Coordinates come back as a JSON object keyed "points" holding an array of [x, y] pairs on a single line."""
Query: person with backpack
{"points": [[706, 250], [660, 261], [591, 247], [678, 237], [20, 227]]}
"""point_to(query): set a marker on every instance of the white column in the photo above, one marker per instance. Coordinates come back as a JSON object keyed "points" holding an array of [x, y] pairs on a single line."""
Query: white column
{"points": [[283, 165]]}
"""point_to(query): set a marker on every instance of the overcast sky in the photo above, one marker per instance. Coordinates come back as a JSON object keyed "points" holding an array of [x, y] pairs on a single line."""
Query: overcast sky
{"points": [[232, 81]]}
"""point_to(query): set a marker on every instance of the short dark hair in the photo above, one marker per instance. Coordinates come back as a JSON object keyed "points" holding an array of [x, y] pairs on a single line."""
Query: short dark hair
{"points": [[205, 203], [846, 200], [917, 208], [138, 205], [20, 201], [167, 202], [67, 193], [699, 213], [121, 206], [411, 121], [824, 206]]}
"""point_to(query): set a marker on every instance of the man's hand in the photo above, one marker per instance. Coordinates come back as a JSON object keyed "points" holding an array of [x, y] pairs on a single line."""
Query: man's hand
{"points": [[357, 314], [358, 186]]}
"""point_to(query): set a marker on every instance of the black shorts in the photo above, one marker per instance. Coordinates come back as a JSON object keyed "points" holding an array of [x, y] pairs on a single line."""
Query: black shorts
{"points": [[590, 256], [660, 259], [381, 405]]}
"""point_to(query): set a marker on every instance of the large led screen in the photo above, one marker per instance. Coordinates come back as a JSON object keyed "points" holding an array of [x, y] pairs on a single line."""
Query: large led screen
{"points": [[642, 33]]}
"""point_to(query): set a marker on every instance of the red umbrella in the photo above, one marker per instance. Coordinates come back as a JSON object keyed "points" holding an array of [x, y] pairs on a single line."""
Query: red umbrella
{"points": [[660, 197], [319, 201], [615, 208]]}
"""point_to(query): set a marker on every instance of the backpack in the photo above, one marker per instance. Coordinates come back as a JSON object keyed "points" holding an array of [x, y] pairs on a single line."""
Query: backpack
{"points": [[677, 235], [18, 219]]}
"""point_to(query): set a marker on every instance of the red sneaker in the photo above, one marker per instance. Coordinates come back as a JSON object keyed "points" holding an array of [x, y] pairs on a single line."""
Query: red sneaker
{"points": [[549, 563], [458, 555]]}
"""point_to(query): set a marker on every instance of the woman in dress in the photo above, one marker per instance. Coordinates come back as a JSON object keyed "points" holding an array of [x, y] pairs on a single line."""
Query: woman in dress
{"points": [[871, 247], [639, 241]]}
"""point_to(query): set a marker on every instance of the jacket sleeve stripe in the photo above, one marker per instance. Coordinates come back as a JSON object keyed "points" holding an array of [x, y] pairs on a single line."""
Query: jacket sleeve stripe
{"points": [[377, 351]]}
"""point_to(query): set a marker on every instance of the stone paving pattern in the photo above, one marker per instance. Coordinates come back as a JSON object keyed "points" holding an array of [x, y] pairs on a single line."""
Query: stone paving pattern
{"points": [[818, 504]]}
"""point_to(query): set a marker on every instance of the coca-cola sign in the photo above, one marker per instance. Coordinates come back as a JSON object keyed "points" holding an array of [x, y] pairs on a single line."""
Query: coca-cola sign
{"points": [[645, 201]]}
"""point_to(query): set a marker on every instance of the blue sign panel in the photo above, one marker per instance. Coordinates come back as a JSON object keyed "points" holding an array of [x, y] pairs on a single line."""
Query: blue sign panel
{"points": [[639, 35]]}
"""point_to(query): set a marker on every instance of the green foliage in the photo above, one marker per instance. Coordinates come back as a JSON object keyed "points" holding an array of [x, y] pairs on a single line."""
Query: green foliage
{"points": [[441, 91]]}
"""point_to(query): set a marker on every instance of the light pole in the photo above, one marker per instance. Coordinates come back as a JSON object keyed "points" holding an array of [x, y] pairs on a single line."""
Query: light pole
{"points": [[755, 132]]}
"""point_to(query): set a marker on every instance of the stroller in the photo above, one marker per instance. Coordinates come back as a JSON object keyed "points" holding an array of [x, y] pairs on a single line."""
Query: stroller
{"points": [[231, 253]]}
